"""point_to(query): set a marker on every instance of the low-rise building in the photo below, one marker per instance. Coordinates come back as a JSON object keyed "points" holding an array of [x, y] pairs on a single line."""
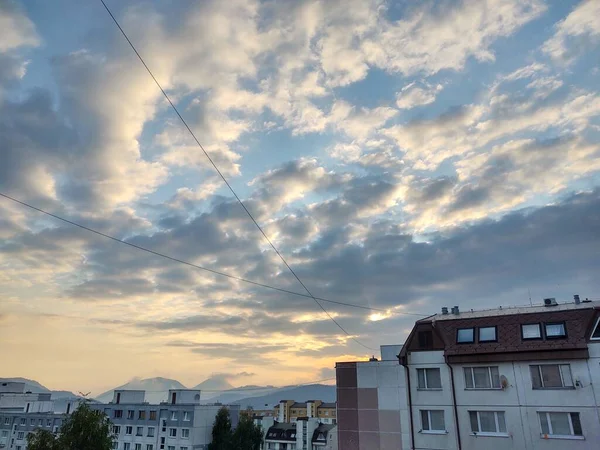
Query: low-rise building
{"points": [[303, 434]]}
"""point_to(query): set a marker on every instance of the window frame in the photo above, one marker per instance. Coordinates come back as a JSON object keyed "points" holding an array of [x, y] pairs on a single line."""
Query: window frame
{"points": [[490, 340], [430, 430], [564, 325], [573, 436], [543, 388], [539, 338], [489, 371], [427, 388], [186, 416], [496, 420], [183, 433], [458, 330], [596, 327], [173, 432]]}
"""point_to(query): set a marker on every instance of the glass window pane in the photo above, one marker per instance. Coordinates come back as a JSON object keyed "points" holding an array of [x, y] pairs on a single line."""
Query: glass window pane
{"points": [[465, 335], [501, 422], [531, 331], [536, 380], [560, 423], [544, 423], [596, 333], [495, 377], [421, 376], [551, 376], [482, 377], [434, 380], [425, 420], [437, 420], [487, 334], [468, 378], [473, 419], [555, 329], [565, 371], [488, 421], [576, 424]]}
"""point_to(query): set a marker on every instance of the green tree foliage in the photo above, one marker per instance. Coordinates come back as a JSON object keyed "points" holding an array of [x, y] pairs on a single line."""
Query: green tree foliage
{"points": [[247, 435], [221, 432], [85, 429], [41, 440]]}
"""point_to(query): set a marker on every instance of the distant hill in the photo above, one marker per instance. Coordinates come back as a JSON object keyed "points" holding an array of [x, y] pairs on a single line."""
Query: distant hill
{"points": [[322, 392], [216, 383], [35, 387], [156, 389]]}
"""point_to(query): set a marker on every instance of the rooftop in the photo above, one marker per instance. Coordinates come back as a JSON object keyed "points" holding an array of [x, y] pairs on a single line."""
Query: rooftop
{"points": [[512, 310]]}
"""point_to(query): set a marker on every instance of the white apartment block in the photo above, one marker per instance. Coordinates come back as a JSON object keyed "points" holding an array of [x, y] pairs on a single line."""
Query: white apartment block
{"points": [[519, 378], [302, 434]]}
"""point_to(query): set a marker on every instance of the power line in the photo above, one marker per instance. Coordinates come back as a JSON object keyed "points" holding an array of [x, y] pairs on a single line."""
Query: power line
{"points": [[227, 183], [196, 266]]}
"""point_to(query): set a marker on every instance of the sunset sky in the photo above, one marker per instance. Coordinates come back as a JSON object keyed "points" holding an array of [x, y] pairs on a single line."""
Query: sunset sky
{"points": [[401, 155]]}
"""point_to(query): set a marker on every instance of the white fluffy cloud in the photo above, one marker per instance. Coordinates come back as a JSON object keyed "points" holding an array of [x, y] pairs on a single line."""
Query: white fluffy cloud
{"points": [[414, 95]]}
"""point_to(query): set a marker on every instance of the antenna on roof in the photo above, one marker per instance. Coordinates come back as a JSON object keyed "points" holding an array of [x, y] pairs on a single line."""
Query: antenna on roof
{"points": [[530, 302]]}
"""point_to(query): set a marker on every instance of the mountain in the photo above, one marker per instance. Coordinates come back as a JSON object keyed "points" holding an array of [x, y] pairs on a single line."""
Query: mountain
{"points": [[156, 389], [322, 392], [215, 383], [236, 394], [35, 387]]}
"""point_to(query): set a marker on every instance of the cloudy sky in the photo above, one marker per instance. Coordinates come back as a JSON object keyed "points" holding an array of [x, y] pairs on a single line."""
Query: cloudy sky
{"points": [[401, 155]]}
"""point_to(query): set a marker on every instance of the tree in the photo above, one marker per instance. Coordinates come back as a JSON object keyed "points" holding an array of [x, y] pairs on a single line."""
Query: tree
{"points": [[86, 429], [42, 440], [221, 432], [247, 435]]}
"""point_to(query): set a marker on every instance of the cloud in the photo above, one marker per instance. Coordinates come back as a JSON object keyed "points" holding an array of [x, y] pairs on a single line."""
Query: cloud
{"points": [[574, 32], [412, 95], [16, 30]]}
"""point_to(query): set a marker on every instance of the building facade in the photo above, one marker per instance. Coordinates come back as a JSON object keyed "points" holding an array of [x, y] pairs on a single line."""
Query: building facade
{"points": [[182, 423], [523, 378], [302, 434]]}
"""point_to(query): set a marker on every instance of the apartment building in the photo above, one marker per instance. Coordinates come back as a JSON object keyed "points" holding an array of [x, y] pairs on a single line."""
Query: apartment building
{"points": [[522, 378], [181, 423], [302, 434], [290, 411]]}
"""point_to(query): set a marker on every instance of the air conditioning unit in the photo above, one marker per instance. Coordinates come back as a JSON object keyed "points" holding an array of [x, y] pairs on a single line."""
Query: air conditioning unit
{"points": [[550, 302]]}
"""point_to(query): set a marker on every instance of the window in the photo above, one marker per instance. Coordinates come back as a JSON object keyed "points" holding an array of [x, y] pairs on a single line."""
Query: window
{"points": [[7, 421], [560, 424], [186, 416], [596, 332], [128, 430], [173, 432], [548, 376], [432, 420], [149, 447], [141, 415], [138, 446], [139, 431], [20, 435], [488, 334], [429, 379], [115, 445], [171, 447], [4, 433], [425, 339], [23, 422], [185, 433], [116, 429], [173, 415], [118, 413], [488, 422], [32, 422], [150, 431], [49, 422], [465, 335], [555, 330], [531, 331], [126, 446], [41, 423], [152, 415], [482, 378], [183, 448], [130, 414]]}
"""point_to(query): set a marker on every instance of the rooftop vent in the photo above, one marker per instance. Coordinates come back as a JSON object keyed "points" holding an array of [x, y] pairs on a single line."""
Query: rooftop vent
{"points": [[550, 302], [587, 300], [444, 310], [576, 298], [372, 358], [455, 310]]}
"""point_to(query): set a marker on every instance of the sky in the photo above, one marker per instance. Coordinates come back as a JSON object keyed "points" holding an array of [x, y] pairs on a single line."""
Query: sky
{"points": [[401, 155]]}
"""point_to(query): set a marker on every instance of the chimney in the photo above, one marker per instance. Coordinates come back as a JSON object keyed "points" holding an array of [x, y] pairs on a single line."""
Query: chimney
{"points": [[455, 310], [444, 310], [576, 298]]}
